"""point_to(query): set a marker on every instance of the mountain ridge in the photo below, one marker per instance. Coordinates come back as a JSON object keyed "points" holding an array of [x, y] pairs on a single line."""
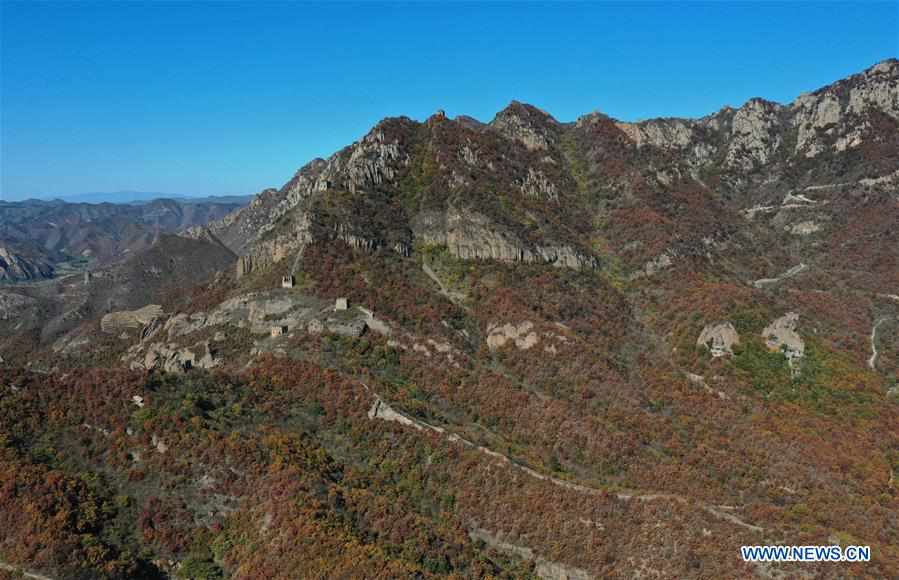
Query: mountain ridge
{"points": [[758, 151], [40, 235], [517, 349]]}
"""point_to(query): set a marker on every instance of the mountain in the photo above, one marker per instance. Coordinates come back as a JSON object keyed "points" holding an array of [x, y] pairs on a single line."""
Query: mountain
{"points": [[524, 187], [137, 197], [517, 349], [125, 196], [19, 266], [40, 235]]}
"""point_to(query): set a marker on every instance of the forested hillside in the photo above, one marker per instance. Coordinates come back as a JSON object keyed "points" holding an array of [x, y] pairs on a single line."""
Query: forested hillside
{"points": [[517, 349]]}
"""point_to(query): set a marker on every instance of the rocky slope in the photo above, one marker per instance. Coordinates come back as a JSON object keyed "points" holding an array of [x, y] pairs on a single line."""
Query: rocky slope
{"points": [[15, 266], [523, 348], [38, 234], [527, 188]]}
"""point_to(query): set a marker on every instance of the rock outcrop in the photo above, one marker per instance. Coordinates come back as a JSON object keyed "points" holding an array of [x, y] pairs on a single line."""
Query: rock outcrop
{"points": [[534, 128], [13, 305], [470, 235], [522, 336], [781, 335], [755, 134], [116, 322], [172, 358], [719, 338], [510, 190], [828, 119], [15, 267]]}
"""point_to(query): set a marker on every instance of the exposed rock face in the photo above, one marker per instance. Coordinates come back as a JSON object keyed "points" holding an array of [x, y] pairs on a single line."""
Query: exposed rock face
{"points": [[661, 133], [781, 335], [719, 338], [538, 185], [526, 124], [352, 328], [374, 161], [824, 119], [15, 267], [263, 254], [167, 344], [755, 134], [171, 358], [803, 228], [257, 311], [522, 336], [831, 119], [510, 190], [130, 319], [12, 305], [661, 262], [472, 236]]}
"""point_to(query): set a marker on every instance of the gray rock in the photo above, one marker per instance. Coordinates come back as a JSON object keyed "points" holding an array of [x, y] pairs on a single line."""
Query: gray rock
{"points": [[719, 338], [781, 335]]}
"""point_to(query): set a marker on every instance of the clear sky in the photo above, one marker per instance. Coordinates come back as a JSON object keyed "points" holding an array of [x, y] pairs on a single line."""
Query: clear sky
{"points": [[230, 97]]}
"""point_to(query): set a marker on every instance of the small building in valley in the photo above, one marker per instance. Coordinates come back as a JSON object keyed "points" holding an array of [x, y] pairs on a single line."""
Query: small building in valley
{"points": [[341, 304], [287, 282], [279, 330]]}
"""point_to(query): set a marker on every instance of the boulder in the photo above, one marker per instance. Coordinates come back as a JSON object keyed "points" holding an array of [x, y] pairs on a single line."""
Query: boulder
{"points": [[719, 338], [115, 322], [781, 335]]}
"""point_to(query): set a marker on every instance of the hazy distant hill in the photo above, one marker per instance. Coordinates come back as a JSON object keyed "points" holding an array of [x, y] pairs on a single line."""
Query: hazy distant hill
{"points": [[35, 235], [133, 197]]}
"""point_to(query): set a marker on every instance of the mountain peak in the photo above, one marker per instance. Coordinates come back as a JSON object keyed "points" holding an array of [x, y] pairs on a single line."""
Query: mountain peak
{"points": [[525, 111], [889, 66], [528, 124]]}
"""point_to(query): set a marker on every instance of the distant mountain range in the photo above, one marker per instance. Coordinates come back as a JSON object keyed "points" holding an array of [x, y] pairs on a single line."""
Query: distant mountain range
{"points": [[128, 196], [37, 235]]}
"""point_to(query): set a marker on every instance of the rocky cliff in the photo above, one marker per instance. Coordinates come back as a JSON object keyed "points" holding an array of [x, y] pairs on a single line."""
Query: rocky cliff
{"points": [[528, 188], [15, 267]]}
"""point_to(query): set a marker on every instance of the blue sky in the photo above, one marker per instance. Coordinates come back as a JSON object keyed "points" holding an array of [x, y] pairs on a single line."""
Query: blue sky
{"points": [[229, 97]]}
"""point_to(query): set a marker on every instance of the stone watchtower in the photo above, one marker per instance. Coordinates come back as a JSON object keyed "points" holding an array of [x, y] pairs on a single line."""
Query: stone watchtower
{"points": [[437, 117], [287, 282]]}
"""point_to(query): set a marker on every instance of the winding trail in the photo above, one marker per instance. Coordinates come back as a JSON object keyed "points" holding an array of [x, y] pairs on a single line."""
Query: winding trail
{"points": [[872, 362], [382, 411], [32, 575], [454, 297], [763, 282]]}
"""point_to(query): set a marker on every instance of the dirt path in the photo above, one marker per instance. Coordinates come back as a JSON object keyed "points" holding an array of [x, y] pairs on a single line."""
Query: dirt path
{"points": [[32, 575], [795, 270], [454, 297], [383, 411], [872, 362]]}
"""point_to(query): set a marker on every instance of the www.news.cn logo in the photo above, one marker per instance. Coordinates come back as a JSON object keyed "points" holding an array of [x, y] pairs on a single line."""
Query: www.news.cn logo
{"points": [[806, 553]]}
